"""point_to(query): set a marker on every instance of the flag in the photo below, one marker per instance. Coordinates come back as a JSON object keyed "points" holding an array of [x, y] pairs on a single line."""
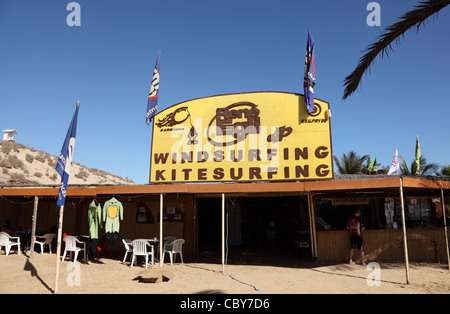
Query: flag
{"points": [[417, 160], [395, 166], [152, 103], [374, 162], [65, 158], [310, 75]]}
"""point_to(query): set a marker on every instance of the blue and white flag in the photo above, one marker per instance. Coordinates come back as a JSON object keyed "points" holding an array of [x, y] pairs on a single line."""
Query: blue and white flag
{"points": [[310, 75], [152, 104], [65, 158]]}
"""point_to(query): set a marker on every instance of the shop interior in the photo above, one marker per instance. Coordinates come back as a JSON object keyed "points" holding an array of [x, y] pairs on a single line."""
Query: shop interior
{"points": [[259, 229], [379, 213]]}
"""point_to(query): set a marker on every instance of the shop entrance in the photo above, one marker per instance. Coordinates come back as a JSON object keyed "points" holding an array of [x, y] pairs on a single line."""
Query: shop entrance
{"points": [[259, 229]]}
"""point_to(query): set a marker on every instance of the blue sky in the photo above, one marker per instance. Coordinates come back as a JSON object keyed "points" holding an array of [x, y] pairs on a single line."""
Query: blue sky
{"points": [[211, 47]]}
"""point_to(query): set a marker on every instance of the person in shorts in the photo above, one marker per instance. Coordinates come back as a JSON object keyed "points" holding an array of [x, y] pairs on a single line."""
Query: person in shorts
{"points": [[355, 226]]}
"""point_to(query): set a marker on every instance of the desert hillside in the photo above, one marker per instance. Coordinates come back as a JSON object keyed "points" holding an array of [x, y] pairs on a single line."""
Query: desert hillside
{"points": [[23, 165]]}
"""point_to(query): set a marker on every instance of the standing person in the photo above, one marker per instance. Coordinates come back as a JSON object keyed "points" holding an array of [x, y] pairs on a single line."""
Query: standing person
{"points": [[354, 224]]}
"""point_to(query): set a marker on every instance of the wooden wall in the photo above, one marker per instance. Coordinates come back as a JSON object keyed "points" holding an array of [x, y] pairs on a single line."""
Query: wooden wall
{"points": [[383, 245]]}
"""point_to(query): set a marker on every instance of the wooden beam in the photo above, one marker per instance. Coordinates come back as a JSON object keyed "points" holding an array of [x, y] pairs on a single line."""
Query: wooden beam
{"points": [[47, 191], [142, 189], [351, 184], [273, 187], [425, 183]]}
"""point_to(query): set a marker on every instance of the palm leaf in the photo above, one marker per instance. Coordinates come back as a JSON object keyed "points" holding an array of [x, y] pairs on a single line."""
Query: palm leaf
{"points": [[404, 167], [392, 33], [351, 163], [445, 171]]}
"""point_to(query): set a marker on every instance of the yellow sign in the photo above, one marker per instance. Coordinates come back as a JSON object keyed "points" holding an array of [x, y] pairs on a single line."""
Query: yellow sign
{"points": [[261, 136]]}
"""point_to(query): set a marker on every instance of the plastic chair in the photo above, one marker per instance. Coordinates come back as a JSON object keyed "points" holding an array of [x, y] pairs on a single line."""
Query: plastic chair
{"points": [[140, 249], [128, 248], [48, 239], [71, 246], [174, 248], [166, 243], [8, 242]]}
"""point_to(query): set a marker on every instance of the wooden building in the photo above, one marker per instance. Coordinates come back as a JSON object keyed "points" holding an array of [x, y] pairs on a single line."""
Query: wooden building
{"points": [[259, 215]]}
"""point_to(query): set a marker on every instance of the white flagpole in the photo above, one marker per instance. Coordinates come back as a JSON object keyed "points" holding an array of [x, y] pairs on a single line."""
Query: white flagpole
{"points": [[66, 169], [58, 247]]}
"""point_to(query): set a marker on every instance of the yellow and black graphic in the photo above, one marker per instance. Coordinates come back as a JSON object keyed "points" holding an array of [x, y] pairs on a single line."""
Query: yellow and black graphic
{"points": [[178, 116], [261, 136]]}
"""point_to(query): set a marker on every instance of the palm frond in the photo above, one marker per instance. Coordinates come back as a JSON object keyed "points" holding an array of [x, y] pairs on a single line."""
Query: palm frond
{"points": [[404, 167], [444, 171], [392, 33], [350, 163]]}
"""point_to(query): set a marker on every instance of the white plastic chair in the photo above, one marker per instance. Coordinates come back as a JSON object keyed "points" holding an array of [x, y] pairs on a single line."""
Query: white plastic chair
{"points": [[140, 249], [71, 246], [128, 248], [167, 242], [48, 239], [8, 242], [174, 248]]}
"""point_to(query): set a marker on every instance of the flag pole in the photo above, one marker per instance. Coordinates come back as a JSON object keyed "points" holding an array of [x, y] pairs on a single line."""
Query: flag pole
{"points": [[58, 247], [63, 169]]}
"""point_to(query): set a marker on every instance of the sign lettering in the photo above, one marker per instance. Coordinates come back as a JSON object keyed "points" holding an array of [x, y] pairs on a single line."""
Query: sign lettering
{"points": [[264, 136]]}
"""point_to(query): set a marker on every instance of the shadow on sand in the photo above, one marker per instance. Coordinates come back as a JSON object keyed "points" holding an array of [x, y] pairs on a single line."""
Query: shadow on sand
{"points": [[30, 267]]}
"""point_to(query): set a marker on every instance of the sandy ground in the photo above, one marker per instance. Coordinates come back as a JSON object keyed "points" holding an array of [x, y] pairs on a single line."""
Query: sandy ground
{"points": [[22, 275]]}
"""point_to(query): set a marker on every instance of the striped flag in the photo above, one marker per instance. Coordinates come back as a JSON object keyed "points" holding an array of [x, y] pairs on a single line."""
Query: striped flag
{"points": [[310, 75], [65, 158], [152, 103]]}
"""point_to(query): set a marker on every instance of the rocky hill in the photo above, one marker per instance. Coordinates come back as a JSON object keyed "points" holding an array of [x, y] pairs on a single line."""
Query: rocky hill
{"points": [[23, 165]]}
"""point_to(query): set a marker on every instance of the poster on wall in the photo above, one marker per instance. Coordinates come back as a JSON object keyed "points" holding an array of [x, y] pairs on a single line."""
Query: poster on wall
{"points": [[261, 136], [143, 214], [426, 209], [172, 214]]}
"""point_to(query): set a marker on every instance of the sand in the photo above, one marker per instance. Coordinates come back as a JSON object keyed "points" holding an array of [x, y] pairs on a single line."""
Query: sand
{"points": [[24, 275]]}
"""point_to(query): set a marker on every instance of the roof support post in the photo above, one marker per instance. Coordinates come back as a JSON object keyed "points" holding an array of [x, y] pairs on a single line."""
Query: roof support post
{"points": [[312, 225], [161, 220], [405, 242], [33, 225], [444, 212], [223, 233]]}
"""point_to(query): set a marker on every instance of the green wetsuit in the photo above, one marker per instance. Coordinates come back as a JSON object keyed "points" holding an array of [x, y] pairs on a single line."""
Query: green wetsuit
{"points": [[112, 211], [94, 218]]}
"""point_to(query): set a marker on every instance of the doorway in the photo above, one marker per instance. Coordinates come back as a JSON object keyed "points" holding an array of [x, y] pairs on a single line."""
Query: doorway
{"points": [[255, 226]]}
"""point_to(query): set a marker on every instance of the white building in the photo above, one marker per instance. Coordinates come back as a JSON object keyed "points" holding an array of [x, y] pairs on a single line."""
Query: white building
{"points": [[8, 135]]}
